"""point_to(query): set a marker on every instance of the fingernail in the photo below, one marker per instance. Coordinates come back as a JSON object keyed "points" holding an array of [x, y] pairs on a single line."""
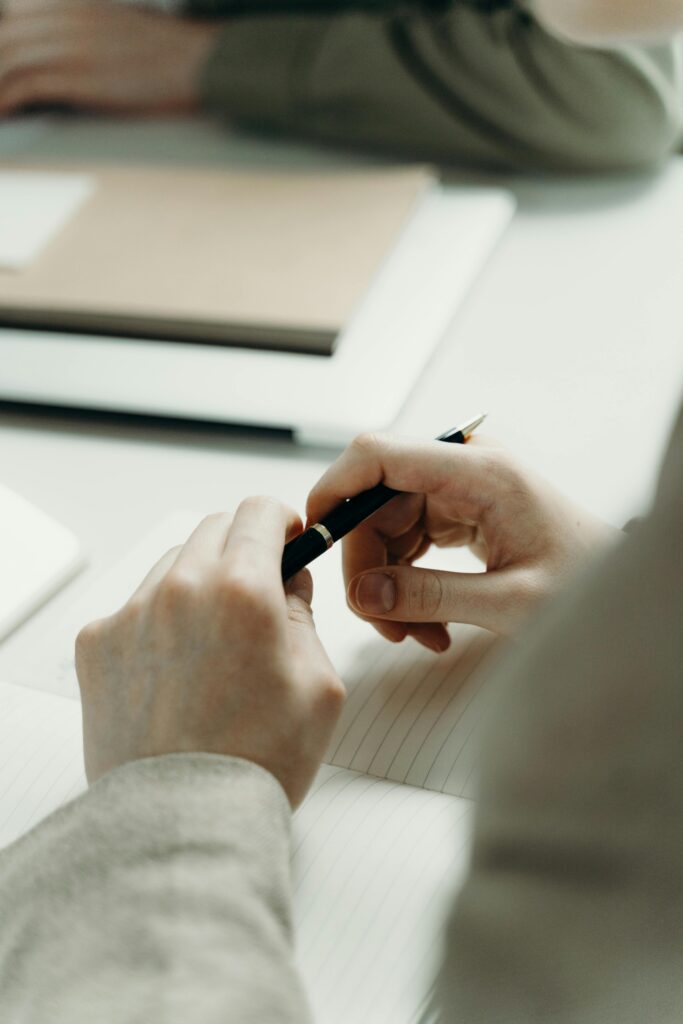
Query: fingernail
{"points": [[376, 593]]}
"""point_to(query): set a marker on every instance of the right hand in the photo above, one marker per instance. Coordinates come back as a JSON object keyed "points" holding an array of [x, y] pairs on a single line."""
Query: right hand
{"points": [[529, 536]]}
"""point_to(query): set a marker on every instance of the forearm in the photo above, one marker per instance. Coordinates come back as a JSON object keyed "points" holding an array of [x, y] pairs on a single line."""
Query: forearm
{"points": [[456, 84], [162, 894]]}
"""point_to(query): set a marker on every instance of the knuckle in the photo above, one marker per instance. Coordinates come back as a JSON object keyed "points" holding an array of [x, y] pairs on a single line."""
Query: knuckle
{"points": [[500, 464], [130, 614], [86, 639], [369, 443], [88, 642], [259, 502], [178, 587], [218, 519], [331, 692], [243, 593]]}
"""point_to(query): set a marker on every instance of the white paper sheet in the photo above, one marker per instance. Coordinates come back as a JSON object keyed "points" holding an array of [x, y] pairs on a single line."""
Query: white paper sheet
{"points": [[37, 557], [374, 863], [41, 757], [34, 207]]}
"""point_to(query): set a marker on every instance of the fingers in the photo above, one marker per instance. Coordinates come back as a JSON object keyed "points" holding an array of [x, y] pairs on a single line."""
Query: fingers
{"points": [[256, 542], [257, 537], [411, 595], [312, 662], [300, 586], [421, 467], [362, 549], [206, 543]]}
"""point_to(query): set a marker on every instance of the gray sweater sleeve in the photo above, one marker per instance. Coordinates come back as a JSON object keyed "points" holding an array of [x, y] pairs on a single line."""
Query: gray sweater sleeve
{"points": [[161, 895], [464, 82], [573, 909]]}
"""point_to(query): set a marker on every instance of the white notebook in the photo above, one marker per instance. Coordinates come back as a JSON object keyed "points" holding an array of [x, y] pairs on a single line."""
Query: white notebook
{"points": [[37, 557], [382, 839]]}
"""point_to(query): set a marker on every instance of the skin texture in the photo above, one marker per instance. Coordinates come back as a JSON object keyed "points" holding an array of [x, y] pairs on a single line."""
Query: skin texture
{"points": [[529, 536], [100, 56], [211, 655]]}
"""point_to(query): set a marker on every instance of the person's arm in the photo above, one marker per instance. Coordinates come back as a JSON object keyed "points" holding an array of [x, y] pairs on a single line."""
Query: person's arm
{"points": [[573, 908], [163, 893], [455, 82], [451, 82]]}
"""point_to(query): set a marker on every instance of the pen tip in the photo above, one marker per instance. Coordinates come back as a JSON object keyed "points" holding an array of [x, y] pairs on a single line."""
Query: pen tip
{"points": [[470, 427]]}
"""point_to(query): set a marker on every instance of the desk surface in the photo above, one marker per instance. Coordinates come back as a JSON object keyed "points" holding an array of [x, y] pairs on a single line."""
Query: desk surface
{"points": [[572, 339]]}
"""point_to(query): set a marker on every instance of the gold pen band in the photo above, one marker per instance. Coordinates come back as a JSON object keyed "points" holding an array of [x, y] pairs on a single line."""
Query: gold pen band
{"points": [[324, 533]]}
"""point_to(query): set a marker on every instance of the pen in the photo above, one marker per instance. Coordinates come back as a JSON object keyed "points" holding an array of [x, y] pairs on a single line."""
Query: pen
{"points": [[320, 537]]}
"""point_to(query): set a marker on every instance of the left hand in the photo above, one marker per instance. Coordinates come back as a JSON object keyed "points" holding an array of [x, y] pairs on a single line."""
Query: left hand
{"points": [[100, 56], [213, 655]]}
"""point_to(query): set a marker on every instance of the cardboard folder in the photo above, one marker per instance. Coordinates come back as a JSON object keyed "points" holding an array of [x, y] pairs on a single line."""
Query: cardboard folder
{"points": [[277, 260]]}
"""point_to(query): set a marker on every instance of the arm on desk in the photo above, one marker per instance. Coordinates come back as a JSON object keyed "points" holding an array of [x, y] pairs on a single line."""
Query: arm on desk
{"points": [[161, 894], [449, 82]]}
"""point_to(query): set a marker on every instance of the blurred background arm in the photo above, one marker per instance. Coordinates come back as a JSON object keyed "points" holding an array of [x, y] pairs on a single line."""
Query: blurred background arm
{"points": [[480, 84], [455, 82]]}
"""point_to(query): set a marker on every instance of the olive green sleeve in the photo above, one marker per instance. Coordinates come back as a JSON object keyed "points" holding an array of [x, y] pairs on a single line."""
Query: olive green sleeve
{"points": [[450, 82]]}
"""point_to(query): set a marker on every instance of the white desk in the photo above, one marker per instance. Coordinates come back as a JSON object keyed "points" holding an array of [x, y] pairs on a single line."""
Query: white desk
{"points": [[572, 339]]}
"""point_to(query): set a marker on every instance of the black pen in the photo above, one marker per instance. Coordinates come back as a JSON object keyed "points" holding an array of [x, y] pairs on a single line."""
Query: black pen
{"points": [[320, 537]]}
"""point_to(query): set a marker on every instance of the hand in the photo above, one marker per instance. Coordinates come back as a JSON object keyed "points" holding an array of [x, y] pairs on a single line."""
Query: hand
{"points": [[100, 56], [528, 535], [212, 655]]}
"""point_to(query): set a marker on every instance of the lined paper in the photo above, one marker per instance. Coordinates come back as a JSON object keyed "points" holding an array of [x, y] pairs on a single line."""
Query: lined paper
{"points": [[41, 757], [411, 716], [375, 866]]}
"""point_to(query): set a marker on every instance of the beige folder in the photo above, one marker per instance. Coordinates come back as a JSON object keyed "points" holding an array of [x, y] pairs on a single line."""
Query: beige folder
{"points": [[269, 259]]}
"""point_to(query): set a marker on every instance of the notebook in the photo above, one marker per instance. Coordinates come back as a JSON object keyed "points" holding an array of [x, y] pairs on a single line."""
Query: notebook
{"points": [[381, 841], [262, 259], [37, 557]]}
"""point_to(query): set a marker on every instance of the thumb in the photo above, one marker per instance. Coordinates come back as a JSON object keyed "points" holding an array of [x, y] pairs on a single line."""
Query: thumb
{"points": [[407, 594]]}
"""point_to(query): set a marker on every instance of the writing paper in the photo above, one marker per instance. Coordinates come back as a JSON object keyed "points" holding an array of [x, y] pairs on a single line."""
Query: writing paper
{"points": [[375, 866], [37, 556], [34, 207], [41, 757]]}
